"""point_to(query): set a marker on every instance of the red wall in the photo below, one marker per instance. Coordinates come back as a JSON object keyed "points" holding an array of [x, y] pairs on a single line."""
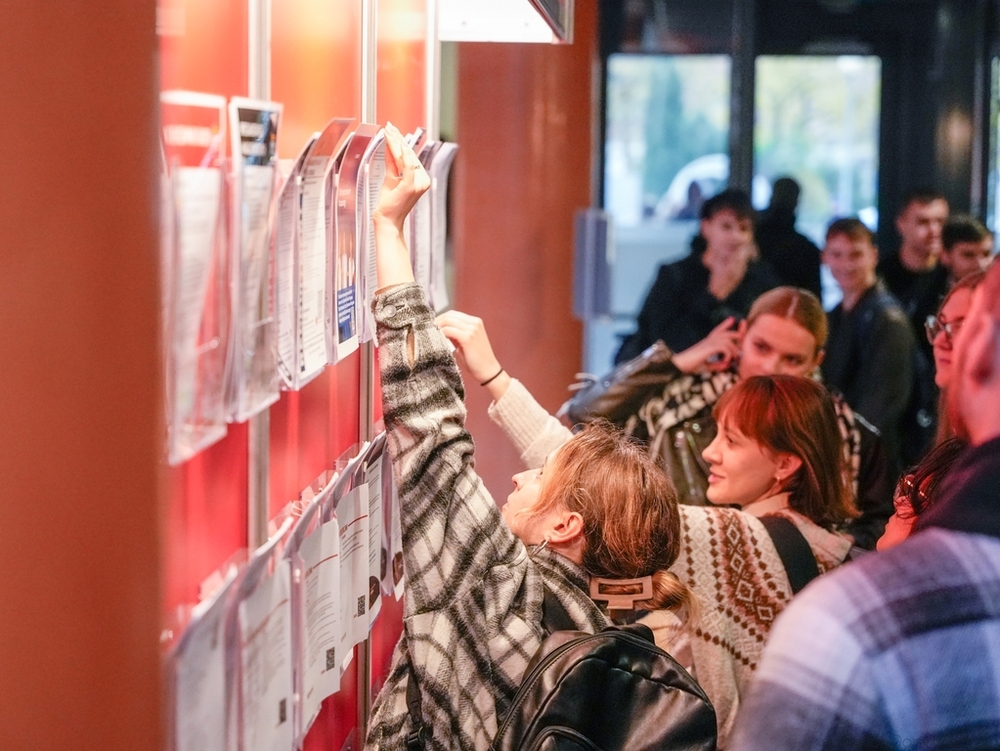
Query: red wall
{"points": [[523, 168], [80, 386]]}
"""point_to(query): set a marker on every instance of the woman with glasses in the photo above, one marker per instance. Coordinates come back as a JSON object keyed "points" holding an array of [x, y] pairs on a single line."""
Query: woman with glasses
{"points": [[917, 490]]}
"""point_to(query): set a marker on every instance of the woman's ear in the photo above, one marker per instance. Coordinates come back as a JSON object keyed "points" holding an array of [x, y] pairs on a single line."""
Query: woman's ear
{"points": [[788, 465], [566, 529]]}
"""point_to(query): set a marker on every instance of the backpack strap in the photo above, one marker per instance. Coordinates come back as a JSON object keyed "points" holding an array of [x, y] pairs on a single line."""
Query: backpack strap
{"points": [[796, 555], [554, 615], [416, 740]]}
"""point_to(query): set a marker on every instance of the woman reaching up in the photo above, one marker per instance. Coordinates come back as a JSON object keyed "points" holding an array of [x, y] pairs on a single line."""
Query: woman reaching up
{"points": [[476, 577]]}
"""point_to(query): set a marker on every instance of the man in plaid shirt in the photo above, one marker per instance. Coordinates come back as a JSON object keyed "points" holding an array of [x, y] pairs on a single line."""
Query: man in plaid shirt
{"points": [[901, 650]]}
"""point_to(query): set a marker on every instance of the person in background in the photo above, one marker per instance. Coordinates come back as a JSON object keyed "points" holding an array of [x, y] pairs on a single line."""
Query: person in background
{"points": [[597, 509], [870, 353], [918, 489], [670, 408], [720, 279], [914, 275], [918, 280], [793, 256], [899, 649], [940, 330], [966, 247]]}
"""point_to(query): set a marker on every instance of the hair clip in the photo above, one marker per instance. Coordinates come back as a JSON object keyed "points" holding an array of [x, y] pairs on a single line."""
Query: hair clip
{"points": [[614, 591]]}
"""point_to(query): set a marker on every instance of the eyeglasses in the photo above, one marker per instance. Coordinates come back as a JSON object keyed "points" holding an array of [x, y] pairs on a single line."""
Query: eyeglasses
{"points": [[934, 325]]}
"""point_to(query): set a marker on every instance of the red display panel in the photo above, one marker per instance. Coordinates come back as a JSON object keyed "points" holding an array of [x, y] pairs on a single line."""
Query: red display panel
{"points": [[203, 45], [402, 63], [315, 65], [316, 73]]}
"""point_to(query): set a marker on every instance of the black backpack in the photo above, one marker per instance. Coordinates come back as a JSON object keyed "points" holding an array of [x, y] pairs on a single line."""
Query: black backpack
{"points": [[609, 691]]}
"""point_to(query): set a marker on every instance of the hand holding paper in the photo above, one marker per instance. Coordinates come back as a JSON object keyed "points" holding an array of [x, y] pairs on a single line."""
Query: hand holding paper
{"points": [[405, 181]]}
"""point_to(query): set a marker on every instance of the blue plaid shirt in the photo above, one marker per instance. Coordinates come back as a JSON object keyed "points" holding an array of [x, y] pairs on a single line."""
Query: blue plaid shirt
{"points": [[899, 650]]}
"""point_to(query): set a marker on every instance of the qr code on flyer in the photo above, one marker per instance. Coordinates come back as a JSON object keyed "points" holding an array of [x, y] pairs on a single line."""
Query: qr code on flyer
{"points": [[361, 605], [331, 658]]}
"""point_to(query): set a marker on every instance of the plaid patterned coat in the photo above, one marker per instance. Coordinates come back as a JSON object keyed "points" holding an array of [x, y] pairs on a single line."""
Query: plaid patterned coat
{"points": [[472, 608]]}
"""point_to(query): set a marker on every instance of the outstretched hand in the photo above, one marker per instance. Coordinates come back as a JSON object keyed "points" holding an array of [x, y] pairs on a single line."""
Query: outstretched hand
{"points": [[472, 345], [405, 181], [713, 353], [473, 350]]}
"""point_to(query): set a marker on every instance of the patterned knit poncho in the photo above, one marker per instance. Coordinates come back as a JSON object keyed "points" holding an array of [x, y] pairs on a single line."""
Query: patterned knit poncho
{"points": [[727, 559]]}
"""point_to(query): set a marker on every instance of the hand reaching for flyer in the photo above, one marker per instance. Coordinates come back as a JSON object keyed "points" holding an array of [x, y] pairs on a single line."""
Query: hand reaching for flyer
{"points": [[405, 181]]}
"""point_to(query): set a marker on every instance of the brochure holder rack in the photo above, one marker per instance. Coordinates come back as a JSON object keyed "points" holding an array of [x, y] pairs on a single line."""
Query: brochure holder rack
{"points": [[253, 383], [196, 325]]}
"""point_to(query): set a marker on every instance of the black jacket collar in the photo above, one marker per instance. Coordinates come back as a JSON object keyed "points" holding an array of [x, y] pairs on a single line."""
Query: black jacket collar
{"points": [[970, 494]]}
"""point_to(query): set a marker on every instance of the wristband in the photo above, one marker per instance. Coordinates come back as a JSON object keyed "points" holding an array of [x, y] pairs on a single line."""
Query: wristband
{"points": [[490, 380]]}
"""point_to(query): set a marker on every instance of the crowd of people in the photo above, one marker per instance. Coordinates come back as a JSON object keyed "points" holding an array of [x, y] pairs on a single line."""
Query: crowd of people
{"points": [[744, 460]]}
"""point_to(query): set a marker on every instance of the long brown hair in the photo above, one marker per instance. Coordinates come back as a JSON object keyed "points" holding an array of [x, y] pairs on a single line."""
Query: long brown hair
{"points": [[629, 509], [792, 415], [795, 304]]}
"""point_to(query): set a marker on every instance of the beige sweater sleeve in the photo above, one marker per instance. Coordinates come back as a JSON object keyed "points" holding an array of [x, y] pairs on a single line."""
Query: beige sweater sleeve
{"points": [[533, 431]]}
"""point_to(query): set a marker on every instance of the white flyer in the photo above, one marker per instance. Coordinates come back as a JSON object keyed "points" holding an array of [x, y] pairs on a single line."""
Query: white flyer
{"points": [[312, 271], [439, 171], [373, 479], [200, 703], [266, 669], [286, 288], [368, 192], [352, 516], [322, 616]]}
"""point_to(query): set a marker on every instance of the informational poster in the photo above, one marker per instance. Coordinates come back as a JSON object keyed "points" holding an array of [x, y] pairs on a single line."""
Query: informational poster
{"points": [[439, 170], [254, 382], [285, 238], [200, 688], [352, 517], [324, 627], [315, 316], [368, 192], [350, 225], [264, 614], [193, 130], [376, 553], [420, 221], [393, 581], [396, 568]]}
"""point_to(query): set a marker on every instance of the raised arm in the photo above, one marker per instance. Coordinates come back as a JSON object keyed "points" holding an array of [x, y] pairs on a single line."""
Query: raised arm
{"points": [[453, 533], [533, 431]]}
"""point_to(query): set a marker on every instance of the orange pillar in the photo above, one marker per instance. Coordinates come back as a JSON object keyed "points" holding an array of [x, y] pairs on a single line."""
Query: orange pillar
{"points": [[80, 380], [524, 124]]}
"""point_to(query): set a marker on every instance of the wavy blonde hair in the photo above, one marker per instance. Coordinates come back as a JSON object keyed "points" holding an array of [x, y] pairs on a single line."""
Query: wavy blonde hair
{"points": [[631, 525]]}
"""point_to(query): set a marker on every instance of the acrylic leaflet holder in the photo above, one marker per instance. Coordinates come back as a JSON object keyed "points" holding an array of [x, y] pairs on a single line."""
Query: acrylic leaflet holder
{"points": [[253, 369], [196, 307]]}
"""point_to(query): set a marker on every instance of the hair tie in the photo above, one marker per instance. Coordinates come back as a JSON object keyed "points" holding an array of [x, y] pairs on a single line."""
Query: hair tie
{"points": [[490, 380], [609, 591]]}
